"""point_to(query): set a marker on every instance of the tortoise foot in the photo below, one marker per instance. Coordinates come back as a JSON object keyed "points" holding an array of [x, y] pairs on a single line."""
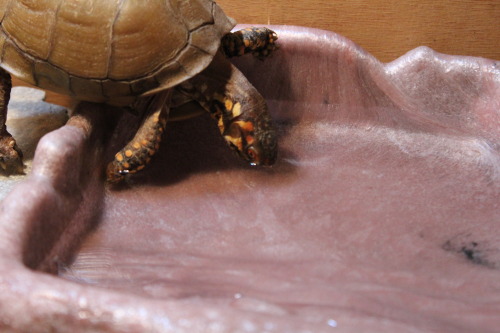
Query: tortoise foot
{"points": [[138, 152], [240, 111], [11, 157], [260, 41]]}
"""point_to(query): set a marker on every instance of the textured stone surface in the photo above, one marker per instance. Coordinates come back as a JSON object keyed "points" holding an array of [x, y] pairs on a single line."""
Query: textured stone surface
{"points": [[381, 215]]}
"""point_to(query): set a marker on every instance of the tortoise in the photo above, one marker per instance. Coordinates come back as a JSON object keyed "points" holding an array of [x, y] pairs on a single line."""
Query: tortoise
{"points": [[145, 56]]}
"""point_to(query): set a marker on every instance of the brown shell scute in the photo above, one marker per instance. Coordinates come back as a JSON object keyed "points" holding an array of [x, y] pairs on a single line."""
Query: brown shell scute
{"points": [[81, 37], [37, 35], [109, 50], [140, 44], [194, 13]]}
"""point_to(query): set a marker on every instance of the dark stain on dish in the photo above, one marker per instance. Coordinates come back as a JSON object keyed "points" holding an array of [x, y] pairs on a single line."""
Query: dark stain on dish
{"points": [[474, 251]]}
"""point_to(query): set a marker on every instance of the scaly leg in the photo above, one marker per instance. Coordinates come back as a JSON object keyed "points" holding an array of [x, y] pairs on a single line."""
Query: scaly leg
{"points": [[240, 111], [260, 41], [146, 142], [11, 157]]}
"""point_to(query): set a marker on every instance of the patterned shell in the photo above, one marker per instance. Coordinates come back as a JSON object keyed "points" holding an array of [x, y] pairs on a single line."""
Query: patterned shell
{"points": [[109, 50]]}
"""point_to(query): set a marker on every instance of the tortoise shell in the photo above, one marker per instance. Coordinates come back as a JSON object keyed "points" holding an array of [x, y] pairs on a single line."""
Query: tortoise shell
{"points": [[109, 50]]}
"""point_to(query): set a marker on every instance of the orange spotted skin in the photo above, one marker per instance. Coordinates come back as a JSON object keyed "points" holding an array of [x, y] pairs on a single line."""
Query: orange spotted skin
{"points": [[239, 110], [221, 89], [249, 132], [260, 41], [10, 154], [146, 142]]}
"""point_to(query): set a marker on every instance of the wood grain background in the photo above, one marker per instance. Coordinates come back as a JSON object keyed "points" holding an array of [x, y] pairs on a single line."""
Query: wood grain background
{"points": [[388, 28], [385, 28]]}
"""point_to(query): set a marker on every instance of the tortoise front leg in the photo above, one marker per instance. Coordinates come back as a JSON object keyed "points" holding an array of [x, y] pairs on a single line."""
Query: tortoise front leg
{"points": [[260, 41], [146, 142], [240, 111], [11, 157]]}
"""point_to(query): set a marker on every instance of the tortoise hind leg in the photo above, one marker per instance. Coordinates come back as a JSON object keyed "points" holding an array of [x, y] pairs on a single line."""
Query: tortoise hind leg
{"points": [[239, 110], [146, 142], [10, 155], [260, 41]]}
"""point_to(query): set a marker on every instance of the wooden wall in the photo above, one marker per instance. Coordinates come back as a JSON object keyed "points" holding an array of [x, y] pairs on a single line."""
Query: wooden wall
{"points": [[387, 28]]}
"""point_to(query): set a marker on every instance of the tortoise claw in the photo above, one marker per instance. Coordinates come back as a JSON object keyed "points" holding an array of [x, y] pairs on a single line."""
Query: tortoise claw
{"points": [[11, 157], [269, 44], [260, 41]]}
